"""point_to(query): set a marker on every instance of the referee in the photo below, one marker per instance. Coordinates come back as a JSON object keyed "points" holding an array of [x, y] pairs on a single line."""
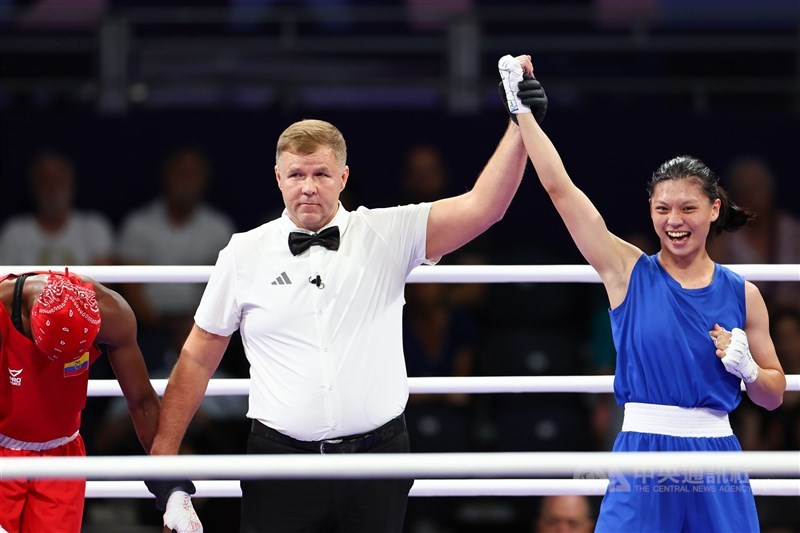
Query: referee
{"points": [[317, 297]]}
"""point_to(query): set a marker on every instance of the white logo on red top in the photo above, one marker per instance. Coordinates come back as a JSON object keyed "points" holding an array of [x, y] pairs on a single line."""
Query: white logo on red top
{"points": [[13, 377]]}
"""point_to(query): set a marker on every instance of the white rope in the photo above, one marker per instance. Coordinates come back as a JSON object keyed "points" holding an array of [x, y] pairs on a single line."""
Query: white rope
{"points": [[583, 465], [436, 487], [437, 385], [421, 274]]}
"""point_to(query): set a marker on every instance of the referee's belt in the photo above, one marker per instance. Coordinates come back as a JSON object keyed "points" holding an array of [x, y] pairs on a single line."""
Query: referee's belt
{"points": [[349, 444]]}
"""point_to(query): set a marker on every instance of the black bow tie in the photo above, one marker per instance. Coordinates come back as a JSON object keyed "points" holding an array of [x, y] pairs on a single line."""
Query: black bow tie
{"points": [[299, 242]]}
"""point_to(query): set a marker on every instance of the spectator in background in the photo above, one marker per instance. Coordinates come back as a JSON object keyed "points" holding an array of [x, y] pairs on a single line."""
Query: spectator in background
{"points": [[773, 236], [564, 514], [425, 176], [56, 233], [177, 228]]}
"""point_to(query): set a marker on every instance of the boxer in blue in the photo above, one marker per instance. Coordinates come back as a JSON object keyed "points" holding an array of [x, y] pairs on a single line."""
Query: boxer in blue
{"points": [[687, 332]]}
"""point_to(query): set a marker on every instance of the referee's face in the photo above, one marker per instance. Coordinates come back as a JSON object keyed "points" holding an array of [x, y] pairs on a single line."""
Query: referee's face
{"points": [[310, 185]]}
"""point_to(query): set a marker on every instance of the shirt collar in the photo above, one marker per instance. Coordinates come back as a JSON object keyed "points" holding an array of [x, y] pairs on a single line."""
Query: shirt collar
{"points": [[340, 219]]}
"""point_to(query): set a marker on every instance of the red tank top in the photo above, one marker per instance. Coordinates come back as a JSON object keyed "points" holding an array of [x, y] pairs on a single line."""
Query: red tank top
{"points": [[40, 400]]}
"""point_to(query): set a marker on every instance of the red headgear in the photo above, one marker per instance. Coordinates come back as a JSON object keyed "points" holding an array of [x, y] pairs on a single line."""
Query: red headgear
{"points": [[65, 318]]}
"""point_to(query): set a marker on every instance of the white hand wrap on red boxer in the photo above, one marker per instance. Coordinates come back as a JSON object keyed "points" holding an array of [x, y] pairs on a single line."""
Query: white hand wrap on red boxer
{"points": [[738, 360], [511, 74], [180, 514]]}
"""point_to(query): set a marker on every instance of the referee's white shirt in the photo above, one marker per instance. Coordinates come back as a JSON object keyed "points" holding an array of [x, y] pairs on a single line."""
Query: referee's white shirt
{"points": [[325, 361]]}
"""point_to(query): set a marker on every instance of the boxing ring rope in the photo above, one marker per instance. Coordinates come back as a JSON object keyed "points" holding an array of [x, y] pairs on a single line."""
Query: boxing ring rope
{"points": [[111, 476], [421, 274], [587, 469], [588, 476], [433, 385], [436, 487], [580, 465]]}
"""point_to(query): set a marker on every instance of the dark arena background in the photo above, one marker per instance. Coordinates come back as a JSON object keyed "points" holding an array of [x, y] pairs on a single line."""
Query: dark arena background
{"points": [[115, 87]]}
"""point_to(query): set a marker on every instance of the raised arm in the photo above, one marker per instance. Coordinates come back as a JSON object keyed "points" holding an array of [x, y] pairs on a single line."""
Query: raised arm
{"points": [[455, 221], [609, 255], [199, 358]]}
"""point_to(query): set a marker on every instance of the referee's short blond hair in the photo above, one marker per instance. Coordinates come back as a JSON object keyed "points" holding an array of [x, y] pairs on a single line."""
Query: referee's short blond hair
{"points": [[306, 136]]}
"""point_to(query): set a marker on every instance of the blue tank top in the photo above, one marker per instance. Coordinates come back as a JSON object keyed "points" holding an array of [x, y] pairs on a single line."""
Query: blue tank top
{"points": [[665, 355]]}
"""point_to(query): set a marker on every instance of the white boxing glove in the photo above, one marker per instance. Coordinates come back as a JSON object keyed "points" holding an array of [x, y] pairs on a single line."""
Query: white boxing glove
{"points": [[180, 514], [511, 74], [738, 360]]}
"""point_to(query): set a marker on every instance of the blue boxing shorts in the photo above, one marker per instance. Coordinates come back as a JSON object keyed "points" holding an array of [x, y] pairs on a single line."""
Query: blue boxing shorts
{"points": [[685, 501]]}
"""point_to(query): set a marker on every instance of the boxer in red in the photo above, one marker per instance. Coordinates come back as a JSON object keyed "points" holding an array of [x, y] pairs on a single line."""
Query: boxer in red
{"points": [[52, 327]]}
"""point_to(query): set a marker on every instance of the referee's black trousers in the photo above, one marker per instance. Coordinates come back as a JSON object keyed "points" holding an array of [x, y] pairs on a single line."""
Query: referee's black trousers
{"points": [[324, 505]]}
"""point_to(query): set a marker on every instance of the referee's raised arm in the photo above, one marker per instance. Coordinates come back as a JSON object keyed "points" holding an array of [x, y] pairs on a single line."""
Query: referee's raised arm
{"points": [[453, 222]]}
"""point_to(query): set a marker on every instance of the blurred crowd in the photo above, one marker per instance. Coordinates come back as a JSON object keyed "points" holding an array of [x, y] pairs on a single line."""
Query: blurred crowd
{"points": [[449, 330]]}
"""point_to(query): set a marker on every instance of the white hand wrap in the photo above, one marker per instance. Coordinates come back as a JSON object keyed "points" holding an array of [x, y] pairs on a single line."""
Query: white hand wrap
{"points": [[511, 74], [180, 514], [738, 360]]}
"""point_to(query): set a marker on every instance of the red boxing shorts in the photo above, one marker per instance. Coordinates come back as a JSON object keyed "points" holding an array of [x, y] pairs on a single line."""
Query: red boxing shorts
{"points": [[43, 505]]}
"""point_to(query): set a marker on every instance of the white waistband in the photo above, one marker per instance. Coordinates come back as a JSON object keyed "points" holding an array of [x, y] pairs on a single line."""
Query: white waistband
{"points": [[14, 444], [676, 421]]}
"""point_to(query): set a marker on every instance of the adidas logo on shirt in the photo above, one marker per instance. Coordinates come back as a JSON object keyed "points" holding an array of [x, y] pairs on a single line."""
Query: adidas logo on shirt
{"points": [[283, 279]]}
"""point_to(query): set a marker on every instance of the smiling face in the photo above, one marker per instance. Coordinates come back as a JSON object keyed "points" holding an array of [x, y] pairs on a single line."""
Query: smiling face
{"points": [[682, 215], [310, 185]]}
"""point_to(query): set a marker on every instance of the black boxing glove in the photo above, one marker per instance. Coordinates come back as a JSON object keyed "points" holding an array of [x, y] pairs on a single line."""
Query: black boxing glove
{"points": [[162, 488], [531, 94]]}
